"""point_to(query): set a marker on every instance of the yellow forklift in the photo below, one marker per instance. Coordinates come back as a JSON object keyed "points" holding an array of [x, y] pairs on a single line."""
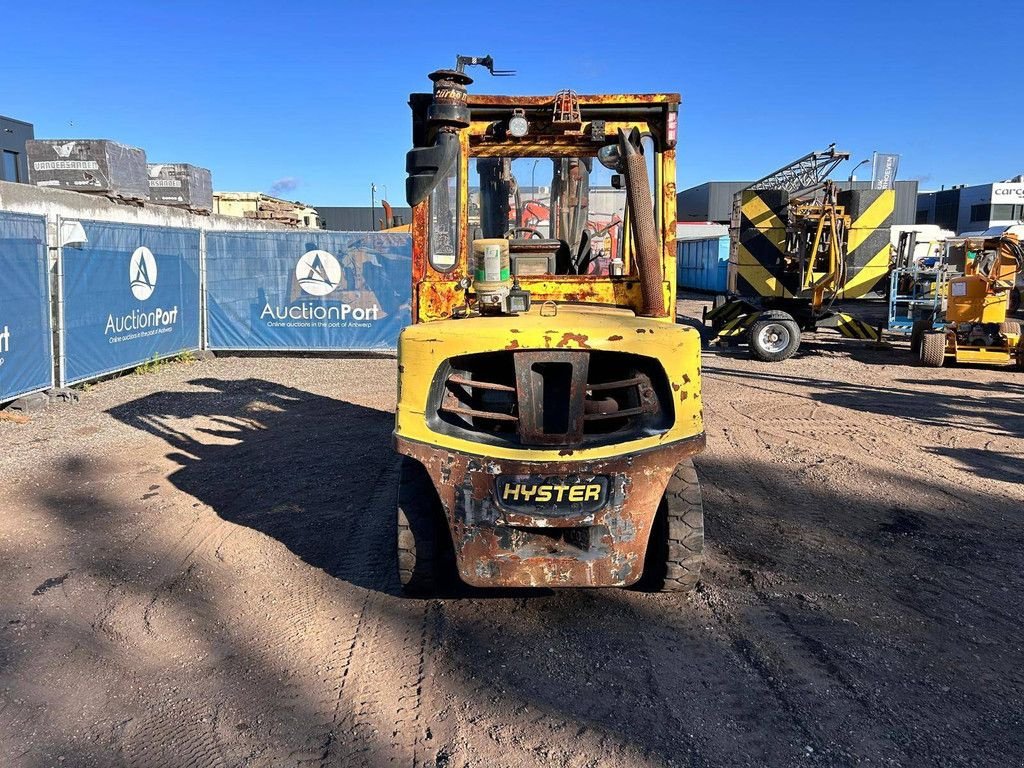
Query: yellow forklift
{"points": [[976, 329], [548, 405]]}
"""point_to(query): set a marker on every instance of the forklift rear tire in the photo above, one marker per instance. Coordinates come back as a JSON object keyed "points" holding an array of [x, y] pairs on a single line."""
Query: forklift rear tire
{"points": [[423, 542], [933, 349], [1009, 328], [774, 337], [675, 551]]}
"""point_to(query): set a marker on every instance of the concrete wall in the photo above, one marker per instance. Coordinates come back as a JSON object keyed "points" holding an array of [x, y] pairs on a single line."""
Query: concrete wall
{"points": [[24, 198]]}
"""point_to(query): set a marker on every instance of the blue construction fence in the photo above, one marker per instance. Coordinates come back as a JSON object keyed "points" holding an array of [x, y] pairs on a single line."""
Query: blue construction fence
{"points": [[26, 334], [340, 291], [129, 294], [703, 265], [126, 294]]}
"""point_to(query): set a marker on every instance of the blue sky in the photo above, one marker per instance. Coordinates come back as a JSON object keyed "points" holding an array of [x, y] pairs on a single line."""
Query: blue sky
{"points": [[312, 96]]}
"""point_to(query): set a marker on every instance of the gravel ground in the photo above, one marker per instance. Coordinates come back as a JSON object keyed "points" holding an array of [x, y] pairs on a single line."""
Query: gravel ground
{"points": [[199, 573]]}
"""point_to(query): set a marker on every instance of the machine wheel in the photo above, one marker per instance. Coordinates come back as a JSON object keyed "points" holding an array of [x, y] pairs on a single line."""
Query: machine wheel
{"points": [[1009, 328], [774, 336], [933, 349], [675, 551], [916, 331], [423, 542]]}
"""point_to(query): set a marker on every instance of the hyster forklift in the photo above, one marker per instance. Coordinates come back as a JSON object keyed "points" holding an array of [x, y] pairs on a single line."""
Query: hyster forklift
{"points": [[974, 325], [548, 404]]}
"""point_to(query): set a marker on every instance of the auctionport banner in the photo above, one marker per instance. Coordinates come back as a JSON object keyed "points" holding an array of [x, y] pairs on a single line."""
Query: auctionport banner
{"points": [[131, 294], [310, 290], [26, 353]]}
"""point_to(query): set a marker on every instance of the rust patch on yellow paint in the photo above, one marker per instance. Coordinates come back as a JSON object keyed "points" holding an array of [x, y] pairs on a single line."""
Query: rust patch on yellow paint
{"points": [[568, 338]]}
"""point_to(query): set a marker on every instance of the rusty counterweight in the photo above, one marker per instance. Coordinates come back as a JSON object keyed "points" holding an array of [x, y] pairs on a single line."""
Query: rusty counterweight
{"points": [[499, 543]]}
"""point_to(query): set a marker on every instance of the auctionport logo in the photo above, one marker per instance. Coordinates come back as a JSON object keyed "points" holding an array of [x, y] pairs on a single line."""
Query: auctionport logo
{"points": [[138, 323], [142, 273], [318, 273]]}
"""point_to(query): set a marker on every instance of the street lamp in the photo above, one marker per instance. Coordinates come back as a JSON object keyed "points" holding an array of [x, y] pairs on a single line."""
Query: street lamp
{"points": [[373, 207], [858, 165]]}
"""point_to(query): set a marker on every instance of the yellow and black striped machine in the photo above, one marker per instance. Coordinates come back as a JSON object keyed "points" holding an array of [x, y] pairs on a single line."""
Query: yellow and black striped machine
{"points": [[798, 245]]}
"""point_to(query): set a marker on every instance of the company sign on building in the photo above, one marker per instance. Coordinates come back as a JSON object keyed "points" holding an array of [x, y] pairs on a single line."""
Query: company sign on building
{"points": [[131, 294]]}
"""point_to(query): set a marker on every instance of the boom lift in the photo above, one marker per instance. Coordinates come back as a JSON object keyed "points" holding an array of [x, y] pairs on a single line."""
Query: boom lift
{"points": [[548, 410], [789, 261], [975, 328]]}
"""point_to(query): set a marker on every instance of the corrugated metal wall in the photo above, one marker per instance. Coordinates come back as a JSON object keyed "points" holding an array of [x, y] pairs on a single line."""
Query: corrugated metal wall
{"points": [[703, 265], [357, 218]]}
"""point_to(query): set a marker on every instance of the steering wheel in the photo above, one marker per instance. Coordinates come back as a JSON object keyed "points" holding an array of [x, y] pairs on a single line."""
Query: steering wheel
{"points": [[534, 233]]}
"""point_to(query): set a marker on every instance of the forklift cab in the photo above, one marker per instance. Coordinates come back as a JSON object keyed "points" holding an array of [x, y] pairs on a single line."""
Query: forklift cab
{"points": [[543, 173]]}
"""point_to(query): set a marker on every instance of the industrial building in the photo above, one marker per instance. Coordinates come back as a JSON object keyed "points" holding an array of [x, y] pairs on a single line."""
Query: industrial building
{"points": [[261, 207], [359, 218], [13, 135], [713, 200], [975, 208]]}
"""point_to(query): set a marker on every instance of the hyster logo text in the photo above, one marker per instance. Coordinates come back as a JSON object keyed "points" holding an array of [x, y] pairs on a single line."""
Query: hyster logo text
{"points": [[5, 340], [318, 273], [142, 273], [543, 494]]}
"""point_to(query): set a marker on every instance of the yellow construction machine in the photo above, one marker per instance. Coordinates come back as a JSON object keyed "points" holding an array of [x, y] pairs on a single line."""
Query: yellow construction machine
{"points": [[974, 324], [799, 243], [548, 406]]}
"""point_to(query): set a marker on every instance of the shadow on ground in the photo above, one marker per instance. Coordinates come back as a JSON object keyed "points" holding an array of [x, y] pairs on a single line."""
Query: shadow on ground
{"points": [[994, 408], [292, 464], [829, 620]]}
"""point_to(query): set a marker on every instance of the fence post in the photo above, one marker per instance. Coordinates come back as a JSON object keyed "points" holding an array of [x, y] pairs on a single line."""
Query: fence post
{"points": [[204, 340], [58, 305]]}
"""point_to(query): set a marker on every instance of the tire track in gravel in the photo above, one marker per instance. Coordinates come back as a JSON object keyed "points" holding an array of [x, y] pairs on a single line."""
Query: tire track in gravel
{"points": [[377, 720]]}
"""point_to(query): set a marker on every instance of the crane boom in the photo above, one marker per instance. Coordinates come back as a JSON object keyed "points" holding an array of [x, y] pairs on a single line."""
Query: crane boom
{"points": [[804, 175]]}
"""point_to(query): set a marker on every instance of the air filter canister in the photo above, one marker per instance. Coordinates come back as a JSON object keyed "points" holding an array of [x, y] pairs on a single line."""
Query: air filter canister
{"points": [[492, 278]]}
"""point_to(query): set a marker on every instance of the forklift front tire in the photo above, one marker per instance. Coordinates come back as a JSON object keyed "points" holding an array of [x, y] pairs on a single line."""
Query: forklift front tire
{"points": [[774, 337], [423, 539], [675, 552], [933, 349]]}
